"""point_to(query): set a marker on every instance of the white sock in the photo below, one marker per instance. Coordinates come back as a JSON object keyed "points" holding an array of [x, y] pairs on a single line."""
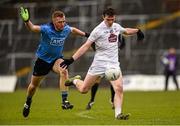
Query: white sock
{"points": [[75, 81], [117, 111]]}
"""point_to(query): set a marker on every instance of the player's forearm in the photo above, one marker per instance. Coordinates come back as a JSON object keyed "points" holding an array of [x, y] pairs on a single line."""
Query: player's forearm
{"points": [[32, 27], [78, 32], [80, 51], [131, 31]]}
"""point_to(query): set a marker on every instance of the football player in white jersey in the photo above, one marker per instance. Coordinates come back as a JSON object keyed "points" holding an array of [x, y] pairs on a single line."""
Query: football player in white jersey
{"points": [[121, 45], [105, 37]]}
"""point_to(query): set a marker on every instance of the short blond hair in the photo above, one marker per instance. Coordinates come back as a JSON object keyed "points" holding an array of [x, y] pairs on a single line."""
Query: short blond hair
{"points": [[57, 14]]}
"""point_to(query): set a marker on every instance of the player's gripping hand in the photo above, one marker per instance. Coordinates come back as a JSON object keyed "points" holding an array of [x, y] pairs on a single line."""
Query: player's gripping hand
{"points": [[93, 46], [140, 35], [24, 14], [66, 63], [121, 41], [87, 34]]}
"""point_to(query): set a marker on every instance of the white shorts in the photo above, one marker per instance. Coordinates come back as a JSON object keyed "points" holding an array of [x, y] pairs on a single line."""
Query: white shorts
{"points": [[100, 69]]}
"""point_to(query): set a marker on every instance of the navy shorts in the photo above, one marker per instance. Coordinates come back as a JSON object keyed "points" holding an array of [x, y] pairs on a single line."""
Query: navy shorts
{"points": [[42, 68]]}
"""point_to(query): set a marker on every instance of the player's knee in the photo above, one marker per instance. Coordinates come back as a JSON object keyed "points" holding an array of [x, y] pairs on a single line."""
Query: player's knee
{"points": [[33, 86], [84, 90]]}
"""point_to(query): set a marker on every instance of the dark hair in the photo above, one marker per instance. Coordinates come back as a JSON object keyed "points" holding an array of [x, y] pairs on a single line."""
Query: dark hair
{"points": [[57, 14], [109, 12]]}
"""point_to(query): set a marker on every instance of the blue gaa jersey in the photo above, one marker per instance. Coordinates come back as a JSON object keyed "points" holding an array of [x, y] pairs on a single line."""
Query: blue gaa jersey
{"points": [[52, 42]]}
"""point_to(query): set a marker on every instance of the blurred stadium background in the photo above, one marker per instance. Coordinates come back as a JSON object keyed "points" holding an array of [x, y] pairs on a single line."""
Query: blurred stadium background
{"points": [[159, 19]]}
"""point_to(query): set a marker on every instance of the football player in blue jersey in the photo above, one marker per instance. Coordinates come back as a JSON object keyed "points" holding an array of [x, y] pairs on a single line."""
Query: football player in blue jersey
{"points": [[49, 53]]}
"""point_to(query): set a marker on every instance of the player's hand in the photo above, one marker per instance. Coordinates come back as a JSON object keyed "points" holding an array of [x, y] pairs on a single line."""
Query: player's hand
{"points": [[121, 41], [66, 63], [87, 34], [93, 46], [24, 14], [140, 35]]}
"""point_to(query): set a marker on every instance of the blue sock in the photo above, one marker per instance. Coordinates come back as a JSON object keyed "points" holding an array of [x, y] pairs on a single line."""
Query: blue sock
{"points": [[64, 95]]}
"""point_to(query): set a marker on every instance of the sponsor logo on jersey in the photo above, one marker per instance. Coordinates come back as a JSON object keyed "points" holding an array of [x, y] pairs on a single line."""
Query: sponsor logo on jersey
{"points": [[112, 38], [56, 42]]}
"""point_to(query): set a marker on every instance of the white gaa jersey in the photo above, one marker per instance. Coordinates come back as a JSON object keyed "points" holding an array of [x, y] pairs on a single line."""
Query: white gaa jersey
{"points": [[106, 41]]}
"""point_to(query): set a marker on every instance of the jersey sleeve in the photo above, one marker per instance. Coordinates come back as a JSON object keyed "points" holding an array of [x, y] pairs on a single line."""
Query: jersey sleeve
{"points": [[68, 29], [43, 28], [94, 35], [121, 29]]}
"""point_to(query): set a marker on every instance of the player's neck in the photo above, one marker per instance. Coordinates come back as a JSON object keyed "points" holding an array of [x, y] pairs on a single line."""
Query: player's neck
{"points": [[107, 24]]}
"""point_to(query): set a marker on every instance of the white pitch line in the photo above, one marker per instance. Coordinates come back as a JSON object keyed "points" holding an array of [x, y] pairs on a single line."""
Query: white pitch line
{"points": [[84, 115]]}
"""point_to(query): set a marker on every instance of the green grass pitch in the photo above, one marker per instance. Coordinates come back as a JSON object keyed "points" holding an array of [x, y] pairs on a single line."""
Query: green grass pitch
{"points": [[146, 108]]}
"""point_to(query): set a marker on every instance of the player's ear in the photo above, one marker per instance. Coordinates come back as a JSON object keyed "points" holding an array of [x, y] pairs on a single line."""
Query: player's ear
{"points": [[103, 17]]}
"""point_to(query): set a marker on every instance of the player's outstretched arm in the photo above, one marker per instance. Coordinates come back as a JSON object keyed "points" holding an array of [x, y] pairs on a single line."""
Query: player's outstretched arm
{"points": [[79, 32], [78, 53], [25, 16], [82, 50], [131, 31]]}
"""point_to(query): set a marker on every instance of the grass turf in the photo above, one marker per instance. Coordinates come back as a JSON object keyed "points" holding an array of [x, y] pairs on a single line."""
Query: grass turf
{"points": [[146, 108]]}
